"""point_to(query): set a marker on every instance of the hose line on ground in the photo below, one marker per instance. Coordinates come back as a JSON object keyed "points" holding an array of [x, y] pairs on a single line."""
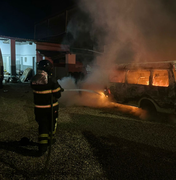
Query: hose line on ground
{"points": [[86, 90]]}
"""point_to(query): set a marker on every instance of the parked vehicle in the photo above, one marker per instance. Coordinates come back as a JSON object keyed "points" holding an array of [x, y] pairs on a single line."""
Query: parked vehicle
{"points": [[151, 86], [1, 70], [27, 75], [7, 76]]}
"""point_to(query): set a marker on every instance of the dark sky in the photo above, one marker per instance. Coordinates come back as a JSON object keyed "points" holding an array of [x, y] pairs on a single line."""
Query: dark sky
{"points": [[17, 17]]}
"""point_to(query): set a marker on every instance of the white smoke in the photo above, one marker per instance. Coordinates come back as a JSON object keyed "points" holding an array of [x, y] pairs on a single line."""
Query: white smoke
{"points": [[68, 98], [134, 31]]}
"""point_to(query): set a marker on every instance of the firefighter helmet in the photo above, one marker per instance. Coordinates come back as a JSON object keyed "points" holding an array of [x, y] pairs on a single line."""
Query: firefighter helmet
{"points": [[45, 65]]}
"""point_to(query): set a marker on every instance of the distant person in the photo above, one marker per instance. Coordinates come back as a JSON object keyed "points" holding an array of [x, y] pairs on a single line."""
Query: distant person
{"points": [[45, 89]]}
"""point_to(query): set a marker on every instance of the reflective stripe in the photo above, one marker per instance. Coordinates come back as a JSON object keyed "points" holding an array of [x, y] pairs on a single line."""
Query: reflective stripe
{"points": [[56, 90], [43, 135], [46, 106], [43, 92], [43, 142], [47, 91], [55, 127]]}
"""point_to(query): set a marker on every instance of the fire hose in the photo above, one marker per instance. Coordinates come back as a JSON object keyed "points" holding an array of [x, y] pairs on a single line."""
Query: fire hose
{"points": [[86, 90]]}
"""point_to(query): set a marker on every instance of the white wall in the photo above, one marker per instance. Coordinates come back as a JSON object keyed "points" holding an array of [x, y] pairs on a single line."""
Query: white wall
{"points": [[5, 49], [24, 56]]}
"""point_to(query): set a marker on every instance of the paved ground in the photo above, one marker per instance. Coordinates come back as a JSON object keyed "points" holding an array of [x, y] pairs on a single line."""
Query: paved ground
{"points": [[92, 143]]}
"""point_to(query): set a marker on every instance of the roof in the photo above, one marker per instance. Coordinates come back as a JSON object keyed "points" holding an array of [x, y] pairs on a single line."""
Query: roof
{"points": [[148, 65], [16, 38]]}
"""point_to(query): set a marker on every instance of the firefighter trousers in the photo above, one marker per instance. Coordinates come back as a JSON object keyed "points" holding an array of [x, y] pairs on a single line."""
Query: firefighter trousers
{"points": [[44, 118]]}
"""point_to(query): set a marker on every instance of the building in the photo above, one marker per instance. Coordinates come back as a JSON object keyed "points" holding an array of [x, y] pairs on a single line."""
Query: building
{"points": [[57, 38], [70, 28], [18, 54]]}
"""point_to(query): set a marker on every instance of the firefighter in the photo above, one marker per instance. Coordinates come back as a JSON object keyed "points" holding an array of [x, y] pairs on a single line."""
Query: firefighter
{"points": [[45, 88]]}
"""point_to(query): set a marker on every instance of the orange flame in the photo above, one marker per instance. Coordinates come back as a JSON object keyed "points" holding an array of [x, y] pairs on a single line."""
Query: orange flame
{"points": [[103, 101], [159, 77]]}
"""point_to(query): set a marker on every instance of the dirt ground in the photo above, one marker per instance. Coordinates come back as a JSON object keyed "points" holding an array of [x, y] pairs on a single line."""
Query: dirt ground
{"points": [[92, 143]]}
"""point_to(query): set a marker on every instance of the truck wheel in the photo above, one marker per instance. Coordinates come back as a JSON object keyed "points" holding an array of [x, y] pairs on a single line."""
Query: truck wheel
{"points": [[148, 106], [150, 109]]}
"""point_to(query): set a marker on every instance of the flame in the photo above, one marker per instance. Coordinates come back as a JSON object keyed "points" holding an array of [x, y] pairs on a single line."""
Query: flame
{"points": [[159, 77], [103, 101], [102, 95], [161, 83]]}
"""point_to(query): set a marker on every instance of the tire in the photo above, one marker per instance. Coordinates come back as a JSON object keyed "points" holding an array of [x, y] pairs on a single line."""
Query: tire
{"points": [[150, 108]]}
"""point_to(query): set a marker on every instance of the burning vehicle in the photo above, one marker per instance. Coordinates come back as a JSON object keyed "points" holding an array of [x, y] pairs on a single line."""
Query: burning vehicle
{"points": [[150, 86]]}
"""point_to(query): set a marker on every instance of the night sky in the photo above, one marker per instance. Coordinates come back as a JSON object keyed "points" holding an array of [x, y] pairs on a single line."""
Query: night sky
{"points": [[17, 17]]}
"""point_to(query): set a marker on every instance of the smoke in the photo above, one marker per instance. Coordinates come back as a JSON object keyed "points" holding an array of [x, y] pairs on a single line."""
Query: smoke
{"points": [[129, 31], [135, 30], [80, 98], [67, 98]]}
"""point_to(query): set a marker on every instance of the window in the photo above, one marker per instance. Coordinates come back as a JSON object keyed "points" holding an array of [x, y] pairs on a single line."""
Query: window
{"points": [[25, 59], [160, 78], [117, 76], [138, 77], [174, 74]]}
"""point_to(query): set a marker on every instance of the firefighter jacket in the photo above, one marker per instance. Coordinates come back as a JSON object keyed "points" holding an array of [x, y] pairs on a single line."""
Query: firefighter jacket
{"points": [[44, 86]]}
